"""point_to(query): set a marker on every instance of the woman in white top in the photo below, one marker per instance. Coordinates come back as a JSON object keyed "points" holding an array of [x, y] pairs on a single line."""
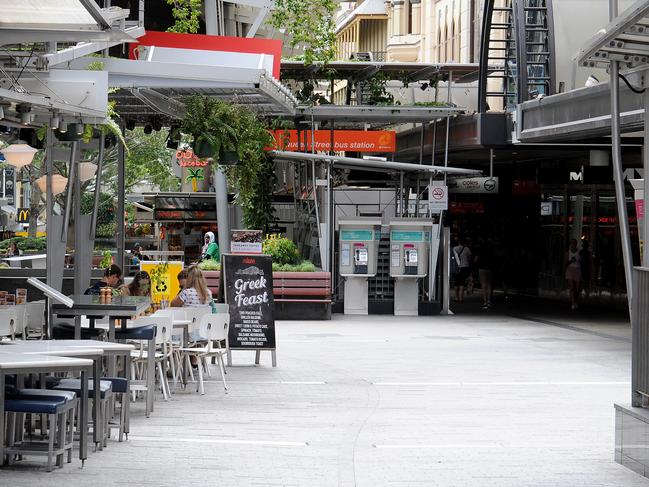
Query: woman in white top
{"points": [[196, 294], [573, 272], [462, 256]]}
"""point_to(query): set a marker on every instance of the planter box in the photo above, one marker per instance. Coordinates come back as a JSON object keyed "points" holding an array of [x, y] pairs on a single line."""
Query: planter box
{"points": [[298, 295]]}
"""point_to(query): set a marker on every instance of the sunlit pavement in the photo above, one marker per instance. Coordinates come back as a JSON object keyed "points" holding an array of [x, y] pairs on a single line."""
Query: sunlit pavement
{"points": [[481, 399]]}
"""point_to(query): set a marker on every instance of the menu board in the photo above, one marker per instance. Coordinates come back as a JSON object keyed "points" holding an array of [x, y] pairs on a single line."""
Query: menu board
{"points": [[249, 295]]}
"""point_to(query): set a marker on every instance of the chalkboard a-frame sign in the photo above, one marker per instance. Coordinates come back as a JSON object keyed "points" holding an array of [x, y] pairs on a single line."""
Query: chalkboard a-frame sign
{"points": [[249, 295]]}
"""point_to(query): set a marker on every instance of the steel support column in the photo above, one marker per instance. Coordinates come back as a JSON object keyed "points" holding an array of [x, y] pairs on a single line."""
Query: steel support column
{"points": [[220, 181], [121, 190], [618, 171]]}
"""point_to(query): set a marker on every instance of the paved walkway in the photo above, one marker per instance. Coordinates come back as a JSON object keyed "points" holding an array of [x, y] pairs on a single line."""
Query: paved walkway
{"points": [[474, 400]]}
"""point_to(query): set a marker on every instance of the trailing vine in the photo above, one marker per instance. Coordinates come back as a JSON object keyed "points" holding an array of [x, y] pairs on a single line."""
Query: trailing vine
{"points": [[186, 13]]}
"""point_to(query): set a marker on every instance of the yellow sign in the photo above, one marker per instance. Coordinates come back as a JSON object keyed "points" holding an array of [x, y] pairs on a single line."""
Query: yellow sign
{"points": [[25, 234], [164, 279]]}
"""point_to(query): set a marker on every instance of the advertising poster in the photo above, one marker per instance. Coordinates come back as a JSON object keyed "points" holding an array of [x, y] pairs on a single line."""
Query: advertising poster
{"points": [[249, 295], [164, 280], [246, 241]]}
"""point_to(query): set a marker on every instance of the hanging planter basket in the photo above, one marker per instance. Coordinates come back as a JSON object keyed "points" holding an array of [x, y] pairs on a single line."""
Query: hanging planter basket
{"points": [[203, 149], [228, 158]]}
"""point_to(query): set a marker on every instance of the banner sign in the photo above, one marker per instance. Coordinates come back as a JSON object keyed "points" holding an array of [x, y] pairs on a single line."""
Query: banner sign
{"points": [[164, 279], [246, 241], [23, 215], [344, 140], [249, 295], [473, 185]]}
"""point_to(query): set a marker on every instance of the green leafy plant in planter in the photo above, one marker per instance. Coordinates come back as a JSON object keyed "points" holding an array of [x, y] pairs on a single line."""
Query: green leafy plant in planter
{"points": [[227, 132], [282, 250], [213, 126]]}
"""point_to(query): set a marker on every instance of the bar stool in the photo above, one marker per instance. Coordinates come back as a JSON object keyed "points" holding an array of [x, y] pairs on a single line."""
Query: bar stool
{"points": [[147, 334], [106, 392], [60, 409]]}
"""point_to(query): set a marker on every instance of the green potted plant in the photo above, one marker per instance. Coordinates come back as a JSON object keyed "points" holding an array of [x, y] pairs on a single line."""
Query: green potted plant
{"points": [[213, 126]]}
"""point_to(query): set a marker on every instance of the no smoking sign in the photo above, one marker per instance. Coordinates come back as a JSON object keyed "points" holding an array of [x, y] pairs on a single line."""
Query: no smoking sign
{"points": [[438, 200]]}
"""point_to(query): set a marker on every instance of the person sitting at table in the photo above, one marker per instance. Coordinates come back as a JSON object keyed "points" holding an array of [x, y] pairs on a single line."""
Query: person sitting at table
{"points": [[182, 279], [139, 286], [195, 294], [12, 251], [112, 278]]}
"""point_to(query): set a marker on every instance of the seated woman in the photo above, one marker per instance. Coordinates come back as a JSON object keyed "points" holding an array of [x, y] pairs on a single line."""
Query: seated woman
{"points": [[140, 286], [195, 293]]}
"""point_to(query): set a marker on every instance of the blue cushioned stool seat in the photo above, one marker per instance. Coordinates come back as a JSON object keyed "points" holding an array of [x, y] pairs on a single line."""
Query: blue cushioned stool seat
{"points": [[38, 394], [74, 385], [65, 331], [120, 385], [146, 332], [46, 405]]}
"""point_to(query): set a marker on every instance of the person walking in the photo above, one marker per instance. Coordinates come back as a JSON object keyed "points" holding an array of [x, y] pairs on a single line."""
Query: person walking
{"points": [[573, 272], [484, 259], [462, 256]]}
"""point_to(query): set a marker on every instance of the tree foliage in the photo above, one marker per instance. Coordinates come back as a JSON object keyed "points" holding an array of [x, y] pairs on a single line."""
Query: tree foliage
{"points": [[309, 23], [186, 14]]}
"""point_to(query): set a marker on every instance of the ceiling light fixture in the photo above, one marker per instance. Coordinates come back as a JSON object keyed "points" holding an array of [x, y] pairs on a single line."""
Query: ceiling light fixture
{"points": [[19, 155]]}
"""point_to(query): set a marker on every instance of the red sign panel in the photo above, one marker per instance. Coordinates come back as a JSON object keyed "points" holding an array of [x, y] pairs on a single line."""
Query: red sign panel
{"points": [[213, 43], [344, 140]]}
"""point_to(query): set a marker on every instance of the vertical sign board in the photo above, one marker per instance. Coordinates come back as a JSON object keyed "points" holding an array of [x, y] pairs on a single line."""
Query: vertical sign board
{"points": [[438, 197], [249, 295]]}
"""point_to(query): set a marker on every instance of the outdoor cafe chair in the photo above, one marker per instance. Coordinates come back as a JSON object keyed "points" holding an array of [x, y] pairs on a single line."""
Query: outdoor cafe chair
{"points": [[213, 328], [35, 319], [9, 324], [59, 408]]}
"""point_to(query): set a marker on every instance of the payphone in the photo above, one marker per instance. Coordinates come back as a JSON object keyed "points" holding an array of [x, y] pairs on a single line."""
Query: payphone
{"points": [[410, 240], [358, 250]]}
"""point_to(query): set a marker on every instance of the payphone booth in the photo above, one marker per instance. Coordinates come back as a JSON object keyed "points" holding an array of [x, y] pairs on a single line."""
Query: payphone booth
{"points": [[409, 248], [358, 249]]}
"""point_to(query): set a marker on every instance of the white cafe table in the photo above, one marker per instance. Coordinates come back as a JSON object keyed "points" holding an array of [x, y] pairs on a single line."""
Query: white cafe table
{"points": [[22, 363], [91, 349]]}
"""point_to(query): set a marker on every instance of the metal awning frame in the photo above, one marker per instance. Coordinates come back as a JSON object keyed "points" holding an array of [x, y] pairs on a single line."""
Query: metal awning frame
{"points": [[625, 40], [372, 165]]}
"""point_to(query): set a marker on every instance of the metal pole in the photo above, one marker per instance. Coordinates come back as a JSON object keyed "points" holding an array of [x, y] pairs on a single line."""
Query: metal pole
{"points": [[49, 211], [645, 155], [446, 274], [491, 163], [119, 224], [220, 181], [100, 165], [448, 124], [401, 202], [68, 199], [76, 202], [618, 172]]}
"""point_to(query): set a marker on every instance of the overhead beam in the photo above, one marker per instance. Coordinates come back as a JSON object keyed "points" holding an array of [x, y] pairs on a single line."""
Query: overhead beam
{"points": [[369, 164]]}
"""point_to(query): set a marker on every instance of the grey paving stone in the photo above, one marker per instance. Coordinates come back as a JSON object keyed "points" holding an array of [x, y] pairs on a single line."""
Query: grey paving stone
{"points": [[372, 401]]}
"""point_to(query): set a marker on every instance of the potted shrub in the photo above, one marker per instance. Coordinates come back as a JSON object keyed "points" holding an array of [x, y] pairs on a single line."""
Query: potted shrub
{"points": [[213, 126]]}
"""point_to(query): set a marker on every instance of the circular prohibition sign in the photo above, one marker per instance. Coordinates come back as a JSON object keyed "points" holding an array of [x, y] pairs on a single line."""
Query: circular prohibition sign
{"points": [[438, 193]]}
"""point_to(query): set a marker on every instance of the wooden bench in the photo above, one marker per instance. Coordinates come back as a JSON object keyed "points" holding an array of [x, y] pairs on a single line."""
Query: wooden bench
{"points": [[290, 287]]}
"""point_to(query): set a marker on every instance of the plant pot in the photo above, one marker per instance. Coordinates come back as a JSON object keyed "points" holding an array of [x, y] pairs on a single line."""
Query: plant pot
{"points": [[228, 158], [203, 148]]}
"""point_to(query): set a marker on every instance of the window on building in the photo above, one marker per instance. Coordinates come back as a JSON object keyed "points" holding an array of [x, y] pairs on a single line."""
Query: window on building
{"points": [[409, 31]]}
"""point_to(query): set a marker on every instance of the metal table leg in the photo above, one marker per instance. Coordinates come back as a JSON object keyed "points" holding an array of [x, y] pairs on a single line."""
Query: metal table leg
{"points": [[2, 417], [83, 442], [150, 374], [111, 338], [97, 424], [126, 400]]}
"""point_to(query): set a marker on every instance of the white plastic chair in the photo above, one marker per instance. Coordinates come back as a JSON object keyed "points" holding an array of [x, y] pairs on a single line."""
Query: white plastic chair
{"points": [[8, 322], [214, 327], [35, 319]]}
